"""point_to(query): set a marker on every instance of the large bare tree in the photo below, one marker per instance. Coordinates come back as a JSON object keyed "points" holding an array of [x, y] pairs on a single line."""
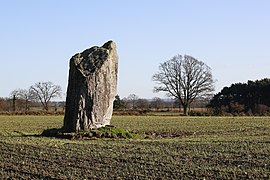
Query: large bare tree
{"points": [[44, 92], [184, 78]]}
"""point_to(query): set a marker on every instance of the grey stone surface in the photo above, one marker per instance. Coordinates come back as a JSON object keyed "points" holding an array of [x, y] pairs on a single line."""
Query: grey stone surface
{"points": [[92, 88]]}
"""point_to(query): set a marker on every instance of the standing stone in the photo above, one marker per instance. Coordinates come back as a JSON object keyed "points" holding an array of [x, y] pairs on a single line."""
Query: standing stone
{"points": [[92, 87]]}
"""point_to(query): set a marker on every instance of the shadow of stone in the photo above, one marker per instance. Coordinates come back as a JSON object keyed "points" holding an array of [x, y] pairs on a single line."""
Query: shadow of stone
{"points": [[57, 133]]}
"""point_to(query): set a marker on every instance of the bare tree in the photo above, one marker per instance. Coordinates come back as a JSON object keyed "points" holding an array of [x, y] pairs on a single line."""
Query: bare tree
{"points": [[157, 103], [184, 78], [24, 95], [133, 99], [142, 104], [44, 92]]}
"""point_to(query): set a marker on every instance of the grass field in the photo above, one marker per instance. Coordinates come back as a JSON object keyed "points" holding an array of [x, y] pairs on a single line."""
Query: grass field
{"points": [[176, 148]]}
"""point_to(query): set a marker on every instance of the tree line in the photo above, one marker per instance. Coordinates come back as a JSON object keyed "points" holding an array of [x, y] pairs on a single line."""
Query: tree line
{"points": [[251, 98], [134, 103], [39, 93], [156, 104]]}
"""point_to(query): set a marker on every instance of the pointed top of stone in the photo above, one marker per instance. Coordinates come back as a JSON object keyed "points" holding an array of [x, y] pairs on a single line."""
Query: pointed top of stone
{"points": [[109, 45], [94, 57]]}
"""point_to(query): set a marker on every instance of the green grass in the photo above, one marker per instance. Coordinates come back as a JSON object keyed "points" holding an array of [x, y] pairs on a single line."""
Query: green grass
{"points": [[178, 148], [107, 131]]}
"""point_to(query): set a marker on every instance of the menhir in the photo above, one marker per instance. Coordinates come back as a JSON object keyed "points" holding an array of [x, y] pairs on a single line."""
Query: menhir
{"points": [[92, 87]]}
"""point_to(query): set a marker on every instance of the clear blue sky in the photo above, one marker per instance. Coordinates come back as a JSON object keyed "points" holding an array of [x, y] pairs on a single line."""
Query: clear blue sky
{"points": [[37, 39]]}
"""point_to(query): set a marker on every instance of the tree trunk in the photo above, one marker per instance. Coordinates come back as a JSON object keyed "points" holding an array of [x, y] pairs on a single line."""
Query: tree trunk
{"points": [[185, 107], [46, 106], [91, 88], [26, 105], [179, 106], [14, 103]]}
